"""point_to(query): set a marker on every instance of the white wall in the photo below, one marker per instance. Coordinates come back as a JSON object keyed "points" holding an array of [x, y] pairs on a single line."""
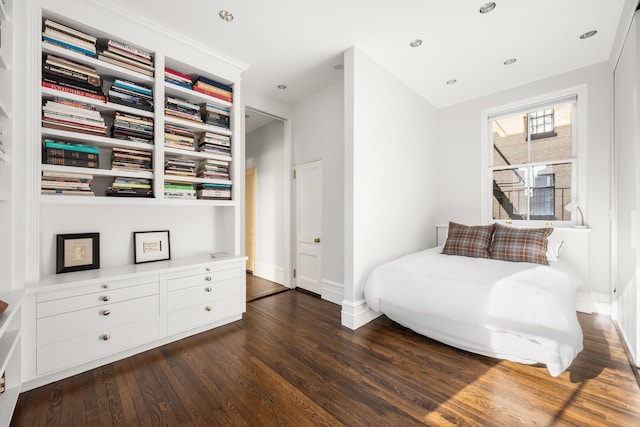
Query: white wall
{"points": [[192, 231], [264, 150], [318, 133], [390, 181], [460, 150]]}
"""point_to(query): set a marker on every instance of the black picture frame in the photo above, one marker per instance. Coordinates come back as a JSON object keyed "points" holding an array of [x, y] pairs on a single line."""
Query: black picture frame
{"points": [[78, 251], [151, 246]]}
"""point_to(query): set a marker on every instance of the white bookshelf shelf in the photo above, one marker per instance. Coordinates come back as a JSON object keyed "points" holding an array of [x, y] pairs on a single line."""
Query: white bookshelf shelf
{"points": [[196, 126], [48, 93], [195, 154], [194, 96], [195, 180], [98, 141], [104, 69], [98, 172], [130, 201]]}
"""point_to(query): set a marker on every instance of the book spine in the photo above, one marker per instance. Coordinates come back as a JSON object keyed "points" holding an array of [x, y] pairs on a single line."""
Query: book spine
{"points": [[131, 49], [69, 46], [215, 83], [177, 75], [65, 161], [80, 148], [215, 95], [213, 89], [68, 30], [70, 154], [85, 78], [74, 91]]}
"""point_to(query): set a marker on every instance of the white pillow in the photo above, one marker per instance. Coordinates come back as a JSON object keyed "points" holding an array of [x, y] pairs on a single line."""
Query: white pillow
{"points": [[553, 248]]}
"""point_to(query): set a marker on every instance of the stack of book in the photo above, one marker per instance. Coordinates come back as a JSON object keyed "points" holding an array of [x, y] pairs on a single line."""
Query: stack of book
{"points": [[66, 183], [128, 57], [73, 116], [179, 137], [213, 88], [215, 116], [130, 187], [180, 167], [71, 77], [131, 94], [210, 142], [214, 191], [182, 109], [179, 190], [132, 128], [65, 154], [130, 160], [60, 35], [216, 169], [176, 78]]}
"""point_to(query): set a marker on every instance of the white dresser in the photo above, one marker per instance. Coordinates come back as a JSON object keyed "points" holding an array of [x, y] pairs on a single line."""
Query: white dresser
{"points": [[81, 320]]}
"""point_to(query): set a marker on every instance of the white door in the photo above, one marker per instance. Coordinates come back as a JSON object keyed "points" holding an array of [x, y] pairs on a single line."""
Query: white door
{"points": [[308, 225]]}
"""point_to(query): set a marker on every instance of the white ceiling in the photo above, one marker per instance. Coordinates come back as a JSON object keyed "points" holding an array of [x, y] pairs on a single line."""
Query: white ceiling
{"points": [[297, 42]]}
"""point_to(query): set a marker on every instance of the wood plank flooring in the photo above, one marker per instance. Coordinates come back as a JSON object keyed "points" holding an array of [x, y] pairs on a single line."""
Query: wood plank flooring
{"points": [[289, 362], [258, 287]]}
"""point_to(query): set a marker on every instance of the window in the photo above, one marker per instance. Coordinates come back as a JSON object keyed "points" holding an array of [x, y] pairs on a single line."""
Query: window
{"points": [[533, 165], [541, 124]]}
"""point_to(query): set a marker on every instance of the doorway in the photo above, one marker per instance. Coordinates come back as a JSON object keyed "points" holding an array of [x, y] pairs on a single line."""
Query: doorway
{"points": [[265, 203]]}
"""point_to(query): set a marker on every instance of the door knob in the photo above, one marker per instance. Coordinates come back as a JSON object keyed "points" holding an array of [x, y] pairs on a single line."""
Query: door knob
{"points": [[316, 240]]}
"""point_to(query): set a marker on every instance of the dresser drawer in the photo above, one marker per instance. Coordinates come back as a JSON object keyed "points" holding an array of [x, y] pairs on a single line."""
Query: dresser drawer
{"points": [[94, 345], [187, 280], [200, 294], [78, 323], [97, 299], [202, 314], [105, 285]]}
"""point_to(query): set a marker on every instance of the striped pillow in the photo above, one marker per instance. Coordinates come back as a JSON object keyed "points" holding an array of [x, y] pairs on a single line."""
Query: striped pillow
{"points": [[520, 244], [472, 241]]}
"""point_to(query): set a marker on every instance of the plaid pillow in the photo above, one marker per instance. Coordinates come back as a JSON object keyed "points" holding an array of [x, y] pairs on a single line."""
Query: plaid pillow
{"points": [[472, 241], [520, 244]]}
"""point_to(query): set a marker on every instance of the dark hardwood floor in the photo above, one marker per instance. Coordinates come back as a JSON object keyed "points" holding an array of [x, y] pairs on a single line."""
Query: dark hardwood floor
{"points": [[290, 362], [258, 287]]}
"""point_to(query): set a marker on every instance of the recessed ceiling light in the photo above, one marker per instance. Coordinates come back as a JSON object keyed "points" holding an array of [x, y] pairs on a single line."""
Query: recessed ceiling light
{"points": [[338, 67], [282, 87], [487, 7], [452, 81], [225, 15], [510, 61], [415, 43], [588, 34]]}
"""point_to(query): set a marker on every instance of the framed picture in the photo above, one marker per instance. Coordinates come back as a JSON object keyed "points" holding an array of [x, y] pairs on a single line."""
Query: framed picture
{"points": [[151, 246], [75, 252]]}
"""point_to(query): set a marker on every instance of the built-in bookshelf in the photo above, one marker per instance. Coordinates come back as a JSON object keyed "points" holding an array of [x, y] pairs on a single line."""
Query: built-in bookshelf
{"points": [[178, 174]]}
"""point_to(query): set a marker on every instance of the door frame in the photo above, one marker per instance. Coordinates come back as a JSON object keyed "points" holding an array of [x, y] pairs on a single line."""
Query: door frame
{"points": [[254, 172], [287, 188]]}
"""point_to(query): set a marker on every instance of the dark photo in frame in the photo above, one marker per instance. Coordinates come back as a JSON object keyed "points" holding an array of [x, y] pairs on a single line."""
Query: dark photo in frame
{"points": [[75, 252], [149, 246]]}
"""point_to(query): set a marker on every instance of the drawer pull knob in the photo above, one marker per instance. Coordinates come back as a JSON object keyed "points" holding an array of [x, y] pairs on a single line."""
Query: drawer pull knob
{"points": [[208, 308], [208, 269], [207, 289], [105, 286], [106, 337], [106, 298], [208, 278], [106, 312]]}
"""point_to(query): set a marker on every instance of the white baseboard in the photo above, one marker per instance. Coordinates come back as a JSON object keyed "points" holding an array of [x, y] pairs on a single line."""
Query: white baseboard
{"points": [[332, 291], [269, 272], [357, 314], [592, 302]]}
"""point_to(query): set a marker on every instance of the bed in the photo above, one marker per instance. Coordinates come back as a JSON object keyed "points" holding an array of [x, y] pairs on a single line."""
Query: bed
{"points": [[519, 311]]}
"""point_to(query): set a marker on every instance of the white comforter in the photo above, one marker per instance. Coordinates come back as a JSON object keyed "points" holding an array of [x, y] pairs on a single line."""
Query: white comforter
{"points": [[516, 311]]}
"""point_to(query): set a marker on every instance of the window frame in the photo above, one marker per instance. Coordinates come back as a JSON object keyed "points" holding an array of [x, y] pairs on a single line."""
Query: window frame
{"points": [[577, 95]]}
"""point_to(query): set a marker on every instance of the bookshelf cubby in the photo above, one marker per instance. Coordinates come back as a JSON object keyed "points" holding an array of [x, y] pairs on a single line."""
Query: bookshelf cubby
{"points": [[162, 90]]}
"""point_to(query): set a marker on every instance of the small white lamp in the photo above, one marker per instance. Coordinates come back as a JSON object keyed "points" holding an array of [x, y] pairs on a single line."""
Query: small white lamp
{"points": [[574, 207]]}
